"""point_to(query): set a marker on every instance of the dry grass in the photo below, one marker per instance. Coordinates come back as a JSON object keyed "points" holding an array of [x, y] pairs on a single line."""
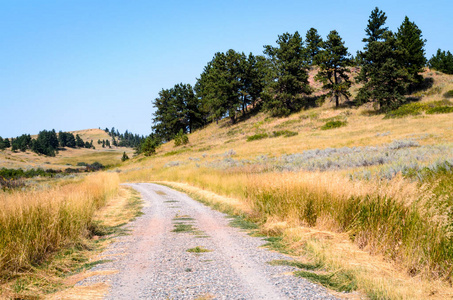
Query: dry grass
{"points": [[55, 276], [35, 223], [389, 233]]}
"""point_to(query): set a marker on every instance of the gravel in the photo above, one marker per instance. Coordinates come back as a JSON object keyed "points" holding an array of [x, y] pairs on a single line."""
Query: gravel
{"points": [[153, 261]]}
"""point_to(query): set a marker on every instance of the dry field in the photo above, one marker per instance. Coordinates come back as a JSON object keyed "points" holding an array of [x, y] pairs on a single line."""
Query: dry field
{"points": [[372, 198], [68, 157]]}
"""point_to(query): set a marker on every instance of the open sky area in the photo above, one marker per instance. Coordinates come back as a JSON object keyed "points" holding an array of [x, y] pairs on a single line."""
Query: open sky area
{"points": [[71, 65]]}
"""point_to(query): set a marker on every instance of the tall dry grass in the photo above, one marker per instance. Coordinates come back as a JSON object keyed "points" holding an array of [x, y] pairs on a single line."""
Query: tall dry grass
{"points": [[401, 219], [35, 223]]}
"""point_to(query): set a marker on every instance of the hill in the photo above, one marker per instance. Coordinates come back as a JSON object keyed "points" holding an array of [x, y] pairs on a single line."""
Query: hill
{"points": [[67, 157], [361, 193]]}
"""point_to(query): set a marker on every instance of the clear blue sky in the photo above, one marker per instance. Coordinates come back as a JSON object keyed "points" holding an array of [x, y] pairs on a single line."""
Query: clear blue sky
{"points": [[70, 65]]}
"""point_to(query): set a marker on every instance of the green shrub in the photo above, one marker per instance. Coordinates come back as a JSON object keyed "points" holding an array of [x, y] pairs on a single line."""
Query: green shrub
{"points": [[258, 136], [411, 109], [181, 138], [449, 94], [440, 110], [285, 133], [333, 124]]}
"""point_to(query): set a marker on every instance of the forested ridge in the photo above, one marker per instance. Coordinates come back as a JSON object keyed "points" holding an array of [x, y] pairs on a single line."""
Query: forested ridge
{"points": [[48, 142], [234, 84]]}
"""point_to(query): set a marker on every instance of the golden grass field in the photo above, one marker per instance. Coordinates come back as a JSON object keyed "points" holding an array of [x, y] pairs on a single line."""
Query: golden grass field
{"points": [[392, 233], [344, 205], [68, 157]]}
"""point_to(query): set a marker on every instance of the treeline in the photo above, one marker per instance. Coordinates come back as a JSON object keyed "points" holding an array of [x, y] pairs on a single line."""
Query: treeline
{"points": [[232, 84], [47, 142], [126, 139]]}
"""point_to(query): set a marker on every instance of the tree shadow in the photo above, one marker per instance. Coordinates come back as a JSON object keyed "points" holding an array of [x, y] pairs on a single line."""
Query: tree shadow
{"points": [[424, 85]]}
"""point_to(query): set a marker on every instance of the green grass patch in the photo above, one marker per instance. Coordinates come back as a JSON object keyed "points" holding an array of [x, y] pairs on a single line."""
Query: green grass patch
{"points": [[276, 243], [183, 228], [243, 223], [333, 124], [175, 152], [338, 281], [285, 133], [198, 249], [258, 136], [293, 263], [440, 110], [416, 108]]}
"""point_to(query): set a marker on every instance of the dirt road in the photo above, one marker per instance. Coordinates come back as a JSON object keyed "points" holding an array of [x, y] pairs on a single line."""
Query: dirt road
{"points": [[154, 262]]}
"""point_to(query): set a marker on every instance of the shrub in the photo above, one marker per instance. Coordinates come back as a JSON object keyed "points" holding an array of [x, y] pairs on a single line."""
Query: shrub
{"points": [[333, 124], [258, 136], [411, 109], [285, 133], [125, 157], [181, 138], [449, 94], [440, 110]]}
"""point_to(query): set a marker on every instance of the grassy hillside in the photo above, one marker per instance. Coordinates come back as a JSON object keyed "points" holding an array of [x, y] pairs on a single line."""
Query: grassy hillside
{"points": [[67, 157], [370, 198]]}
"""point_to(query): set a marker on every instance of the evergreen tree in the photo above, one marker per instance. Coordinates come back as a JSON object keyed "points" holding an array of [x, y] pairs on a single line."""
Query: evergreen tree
{"points": [[2, 144], [79, 142], [374, 33], [125, 157], [384, 77], [220, 85], [411, 44], [46, 143], [149, 145], [375, 29], [442, 61], [70, 140], [333, 67], [290, 77], [7, 143], [103, 143], [387, 80], [313, 44]]}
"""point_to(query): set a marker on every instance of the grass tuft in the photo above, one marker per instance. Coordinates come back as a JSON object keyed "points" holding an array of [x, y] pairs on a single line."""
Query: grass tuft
{"points": [[337, 281], [198, 249]]}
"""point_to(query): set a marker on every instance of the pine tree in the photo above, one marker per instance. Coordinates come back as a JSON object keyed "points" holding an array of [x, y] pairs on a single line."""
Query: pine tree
{"points": [[7, 143], [290, 76], [149, 145], [411, 44], [125, 157], [374, 33], [333, 67], [384, 77], [79, 142], [442, 61], [387, 80], [2, 144], [375, 29], [220, 85], [313, 45]]}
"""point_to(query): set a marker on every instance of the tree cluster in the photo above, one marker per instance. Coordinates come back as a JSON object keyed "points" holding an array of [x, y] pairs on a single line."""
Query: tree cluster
{"points": [[232, 83], [391, 62], [442, 61], [126, 139], [46, 143]]}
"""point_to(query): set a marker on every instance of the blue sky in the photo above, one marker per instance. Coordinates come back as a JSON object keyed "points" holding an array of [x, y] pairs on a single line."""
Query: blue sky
{"points": [[70, 65]]}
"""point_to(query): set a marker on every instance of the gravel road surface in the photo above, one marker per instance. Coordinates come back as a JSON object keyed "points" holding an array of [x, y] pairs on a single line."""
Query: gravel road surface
{"points": [[153, 261]]}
